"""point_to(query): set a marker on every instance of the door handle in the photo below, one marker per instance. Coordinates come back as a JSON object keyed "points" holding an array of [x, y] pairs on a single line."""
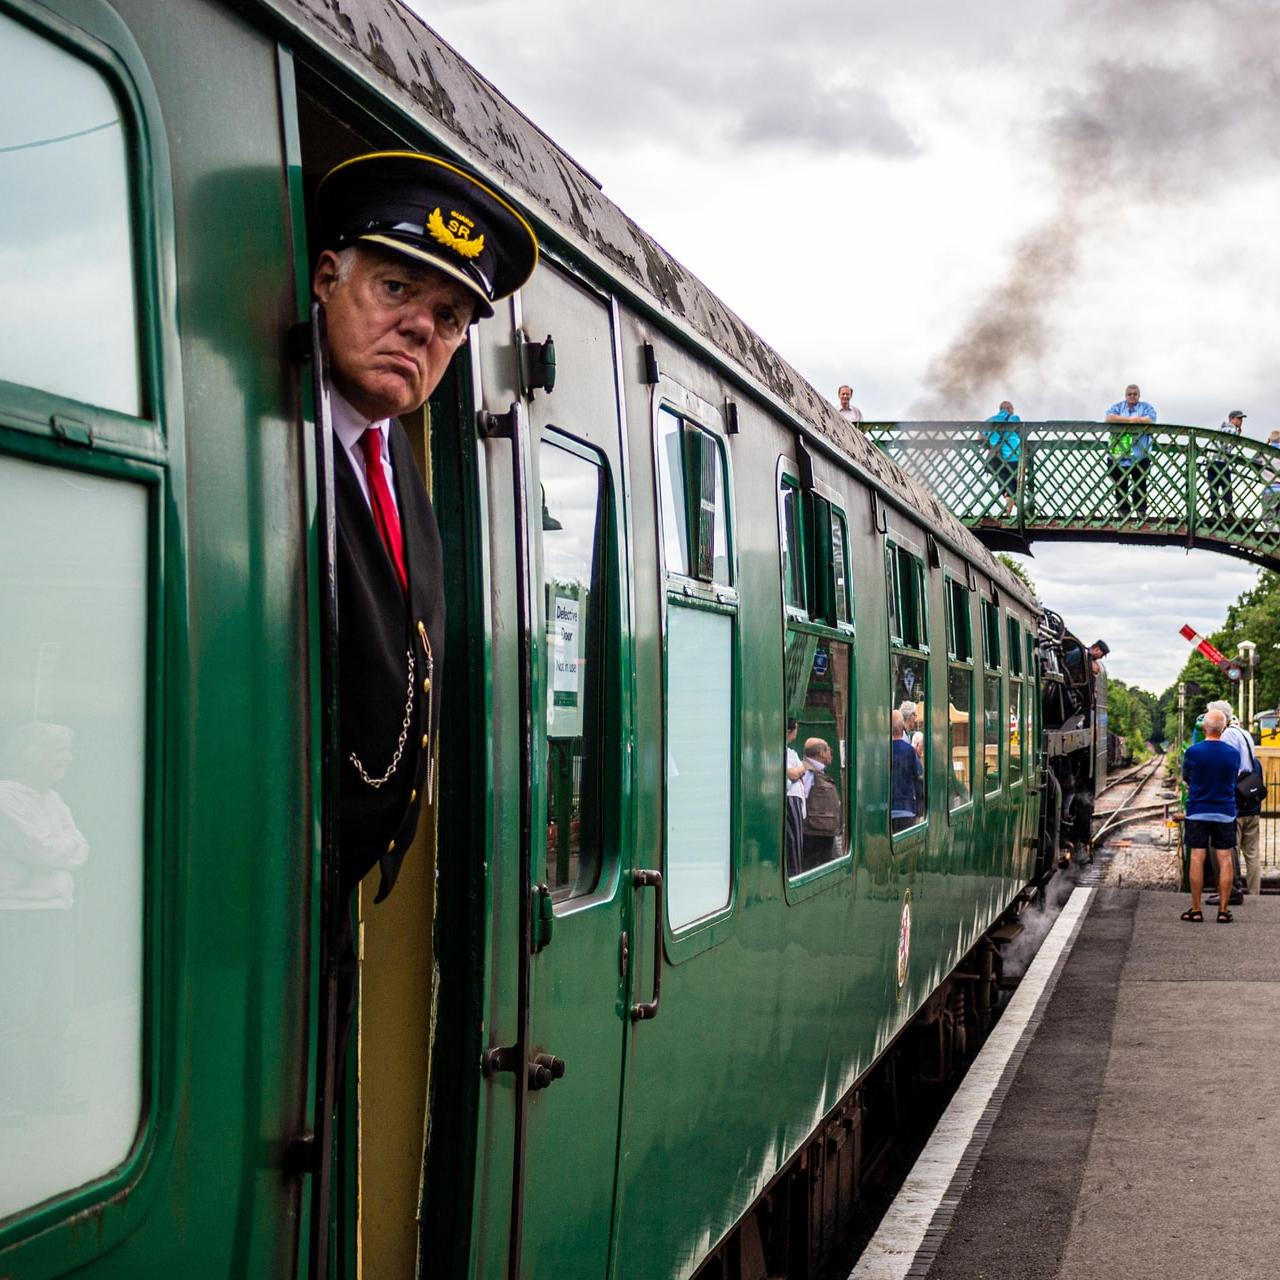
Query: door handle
{"points": [[642, 1011]]}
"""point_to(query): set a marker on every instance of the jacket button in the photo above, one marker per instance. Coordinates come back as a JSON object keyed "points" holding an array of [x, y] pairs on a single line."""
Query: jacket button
{"points": [[425, 740], [391, 848], [413, 795]]}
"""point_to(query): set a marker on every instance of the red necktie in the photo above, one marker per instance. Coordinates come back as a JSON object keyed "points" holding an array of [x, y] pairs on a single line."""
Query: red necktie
{"points": [[384, 507]]}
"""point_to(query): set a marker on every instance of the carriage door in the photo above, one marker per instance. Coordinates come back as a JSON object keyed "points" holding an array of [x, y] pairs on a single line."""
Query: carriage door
{"points": [[580, 863]]}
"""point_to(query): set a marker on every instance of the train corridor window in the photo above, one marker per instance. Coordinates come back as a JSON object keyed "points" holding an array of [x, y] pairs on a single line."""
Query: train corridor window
{"points": [[817, 676], [959, 694], [576, 601], [815, 786], [991, 699], [701, 622], [75, 618], [71, 287], [1017, 710], [909, 691]]}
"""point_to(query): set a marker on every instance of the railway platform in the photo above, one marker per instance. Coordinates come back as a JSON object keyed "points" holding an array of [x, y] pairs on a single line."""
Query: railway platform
{"points": [[1123, 1120]]}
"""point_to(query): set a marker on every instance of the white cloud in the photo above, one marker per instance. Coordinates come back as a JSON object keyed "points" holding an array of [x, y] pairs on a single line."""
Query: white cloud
{"points": [[917, 147]]}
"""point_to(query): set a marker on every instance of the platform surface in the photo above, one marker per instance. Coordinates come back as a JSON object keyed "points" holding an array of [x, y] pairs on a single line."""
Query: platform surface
{"points": [[1139, 1135]]}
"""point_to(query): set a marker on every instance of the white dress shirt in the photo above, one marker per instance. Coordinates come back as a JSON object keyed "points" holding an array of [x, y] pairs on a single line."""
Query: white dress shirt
{"points": [[349, 426]]}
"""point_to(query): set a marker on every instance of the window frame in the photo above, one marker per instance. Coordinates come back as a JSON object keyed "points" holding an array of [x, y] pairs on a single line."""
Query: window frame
{"points": [[955, 591], [50, 429], [907, 573], [1015, 679], [818, 560], [610, 694], [102, 43], [991, 640], [678, 590], [697, 417], [815, 879]]}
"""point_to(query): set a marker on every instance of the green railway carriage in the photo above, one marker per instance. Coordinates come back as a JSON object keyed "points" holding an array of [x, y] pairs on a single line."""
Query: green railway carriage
{"points": [[606, 1009]]}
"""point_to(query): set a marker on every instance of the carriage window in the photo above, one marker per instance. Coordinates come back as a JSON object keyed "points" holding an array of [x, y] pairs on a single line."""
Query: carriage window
{"points": [[1017, 730], [817, 708], [991, 732], [908, 741], [909, 692], [64, 219], [575, 594], [959, 719], [792, 546], [699, 769], [908, 610], [1017, 711], [959, 626], [991, 635], [73, 691], [1015, 647], [691, 483], [839, 566], [959, 695]]}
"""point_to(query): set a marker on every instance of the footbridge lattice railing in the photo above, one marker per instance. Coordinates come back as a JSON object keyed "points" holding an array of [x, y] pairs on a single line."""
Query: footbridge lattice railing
{"points": [[1179, 485]]}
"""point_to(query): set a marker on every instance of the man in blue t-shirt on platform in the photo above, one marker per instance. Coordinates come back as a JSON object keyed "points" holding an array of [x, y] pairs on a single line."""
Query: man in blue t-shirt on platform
{"points": [[1209, 769]]}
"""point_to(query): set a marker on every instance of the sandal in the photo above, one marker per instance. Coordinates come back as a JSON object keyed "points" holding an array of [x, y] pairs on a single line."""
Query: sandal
{"points": [[1225, 917], [1196, 917]]}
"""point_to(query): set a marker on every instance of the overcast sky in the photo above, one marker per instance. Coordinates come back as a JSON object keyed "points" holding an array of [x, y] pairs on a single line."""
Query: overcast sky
{"points": [[948, 204]]}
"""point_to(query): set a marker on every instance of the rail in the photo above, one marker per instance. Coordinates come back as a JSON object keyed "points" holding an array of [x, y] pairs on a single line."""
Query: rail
{"points": [[1153, 485], [1127, 811]]}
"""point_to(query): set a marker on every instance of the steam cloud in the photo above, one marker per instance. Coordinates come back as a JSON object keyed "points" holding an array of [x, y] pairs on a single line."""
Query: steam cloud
{"points": [[1134, 132]]}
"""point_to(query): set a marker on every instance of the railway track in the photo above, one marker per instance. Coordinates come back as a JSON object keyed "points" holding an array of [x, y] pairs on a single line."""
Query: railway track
{"points": [[1128, 810]]}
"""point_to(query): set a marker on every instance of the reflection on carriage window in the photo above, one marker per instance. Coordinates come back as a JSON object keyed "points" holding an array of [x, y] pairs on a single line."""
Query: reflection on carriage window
{"points": [[573, 526], [73, 644], [817, 700], [959, 718], [991, 733], [1016, 731], [65, 179], [909, 720], [700, 765]]}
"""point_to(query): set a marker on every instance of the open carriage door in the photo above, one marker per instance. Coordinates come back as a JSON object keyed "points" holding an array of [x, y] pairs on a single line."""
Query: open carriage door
{"points": [[576, 948]]}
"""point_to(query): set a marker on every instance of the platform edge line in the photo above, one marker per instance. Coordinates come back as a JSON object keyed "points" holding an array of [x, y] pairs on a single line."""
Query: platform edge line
{"points": [[906, 1243]]}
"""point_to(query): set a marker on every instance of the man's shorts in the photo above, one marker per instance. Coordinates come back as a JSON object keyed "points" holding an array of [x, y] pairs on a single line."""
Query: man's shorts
{"points": [[1199, 834]]}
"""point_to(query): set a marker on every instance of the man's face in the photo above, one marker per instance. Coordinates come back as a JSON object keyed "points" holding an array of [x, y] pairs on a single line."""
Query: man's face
{"points": [[393, 328], [846, 394], [1005, 407], [1236, 421], [1131, 394]]}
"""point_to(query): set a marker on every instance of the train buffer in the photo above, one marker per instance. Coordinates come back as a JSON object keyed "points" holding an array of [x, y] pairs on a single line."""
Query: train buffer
{"points": [[1081, 481], [1123, 1120]]}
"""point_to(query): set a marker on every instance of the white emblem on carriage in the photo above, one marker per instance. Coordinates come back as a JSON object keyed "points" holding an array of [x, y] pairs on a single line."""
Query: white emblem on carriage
{"points": [[904, 941]]}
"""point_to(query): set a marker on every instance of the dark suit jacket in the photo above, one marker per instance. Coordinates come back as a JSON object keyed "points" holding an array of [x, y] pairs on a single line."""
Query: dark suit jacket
{"points": [[377, 629]]}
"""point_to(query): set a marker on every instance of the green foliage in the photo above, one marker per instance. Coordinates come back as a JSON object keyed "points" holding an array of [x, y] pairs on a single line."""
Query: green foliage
{"points": [[1254, 616], [1132, 713], [1019, 571]]}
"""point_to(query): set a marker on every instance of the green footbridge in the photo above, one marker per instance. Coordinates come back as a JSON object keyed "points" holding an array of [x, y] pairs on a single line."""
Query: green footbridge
{"points": [[1074, 481]]}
